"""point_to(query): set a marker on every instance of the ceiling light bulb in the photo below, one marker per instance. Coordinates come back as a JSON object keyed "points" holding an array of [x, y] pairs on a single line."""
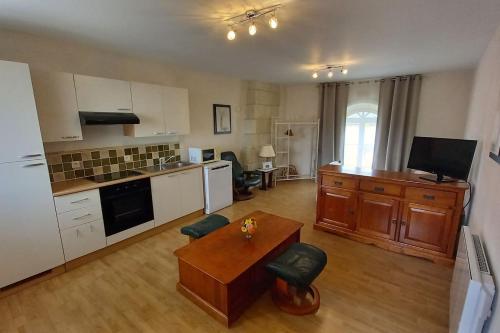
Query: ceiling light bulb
{"points": [[231, 34], [252, 29], [273, 22], [330, 74], [344, 71], [315, 75]]}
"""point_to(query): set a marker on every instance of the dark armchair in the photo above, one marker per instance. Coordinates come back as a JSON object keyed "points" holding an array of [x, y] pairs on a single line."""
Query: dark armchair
{"points": [[242, 180]]}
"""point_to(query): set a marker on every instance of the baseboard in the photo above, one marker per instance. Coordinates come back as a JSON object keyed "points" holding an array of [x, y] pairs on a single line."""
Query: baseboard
{"points": [[31, 281]]}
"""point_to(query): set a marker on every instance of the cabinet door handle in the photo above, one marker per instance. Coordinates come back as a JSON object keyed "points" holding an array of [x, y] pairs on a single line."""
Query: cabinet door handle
{"points": [[403, 223], [92, 228], [32, 165], [329, 194], [80, 200], [78, 233], [81, 217], [158, 133], [123, 109], [172, 132], [394, 221], [338, 183], [378, 189], [31, 155], [429, 197], [70, 137]]}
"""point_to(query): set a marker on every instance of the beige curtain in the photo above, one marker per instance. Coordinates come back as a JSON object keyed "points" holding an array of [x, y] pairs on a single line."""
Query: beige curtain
{"points": [[396, 122], [333, 109]]}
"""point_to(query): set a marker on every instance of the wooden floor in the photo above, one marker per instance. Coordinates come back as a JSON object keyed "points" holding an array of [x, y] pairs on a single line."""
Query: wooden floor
{"points": [[363, 288]]}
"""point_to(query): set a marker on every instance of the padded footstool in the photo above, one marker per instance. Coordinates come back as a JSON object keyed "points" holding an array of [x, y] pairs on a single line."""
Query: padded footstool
{"points": [[204, 227], [295, 271]]}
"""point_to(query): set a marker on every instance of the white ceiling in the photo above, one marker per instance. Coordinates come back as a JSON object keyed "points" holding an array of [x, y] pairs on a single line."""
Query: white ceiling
{"points": [[373, 37]]}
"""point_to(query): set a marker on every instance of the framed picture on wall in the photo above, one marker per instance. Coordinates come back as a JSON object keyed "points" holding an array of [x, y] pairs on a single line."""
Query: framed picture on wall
{"points": [[495, 146], [222, 119]]}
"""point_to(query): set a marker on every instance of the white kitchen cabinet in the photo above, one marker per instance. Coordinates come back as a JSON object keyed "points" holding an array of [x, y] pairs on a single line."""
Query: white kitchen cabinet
{"points": [[83, 239], [166, 199], [176, 111], [191, 191], [97, 94], [21, 138], [147, 105], [176, 195], [29, 236], [69, 202], [55, 98]]}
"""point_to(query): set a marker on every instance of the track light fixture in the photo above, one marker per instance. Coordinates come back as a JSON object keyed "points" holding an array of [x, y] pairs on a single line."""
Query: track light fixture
{"points": [[251, 16], [330, 69]]}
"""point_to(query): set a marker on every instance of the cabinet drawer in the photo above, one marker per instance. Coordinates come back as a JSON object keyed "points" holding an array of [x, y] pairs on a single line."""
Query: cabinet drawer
{"points": [[83, 239], [335, 181], [381, 188], [433, 197], [78, 200], [79, 216]]}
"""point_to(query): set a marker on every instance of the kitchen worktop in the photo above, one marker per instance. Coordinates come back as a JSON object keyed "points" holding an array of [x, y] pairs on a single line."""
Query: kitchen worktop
{"points": [[83, 184]]}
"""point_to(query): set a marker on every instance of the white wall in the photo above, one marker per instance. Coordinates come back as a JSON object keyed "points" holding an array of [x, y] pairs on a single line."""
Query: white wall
{"points": [[484, 217], [205, 89], [444, 103], [300, 103]]}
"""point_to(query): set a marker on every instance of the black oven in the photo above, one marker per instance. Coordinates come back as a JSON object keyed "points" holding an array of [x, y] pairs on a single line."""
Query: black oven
{"points": [[126, 205]]}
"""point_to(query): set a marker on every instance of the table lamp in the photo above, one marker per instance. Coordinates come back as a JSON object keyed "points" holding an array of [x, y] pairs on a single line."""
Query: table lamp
{"points": [[266, 152]]}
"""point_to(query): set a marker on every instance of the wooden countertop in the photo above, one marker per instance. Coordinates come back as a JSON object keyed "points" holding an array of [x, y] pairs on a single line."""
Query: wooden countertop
{"points": [[393, 176], [225, 253], [80, 185]]}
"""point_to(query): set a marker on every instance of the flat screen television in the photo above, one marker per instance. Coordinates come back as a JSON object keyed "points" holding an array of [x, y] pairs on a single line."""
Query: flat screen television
{"points": [[443, 157]]}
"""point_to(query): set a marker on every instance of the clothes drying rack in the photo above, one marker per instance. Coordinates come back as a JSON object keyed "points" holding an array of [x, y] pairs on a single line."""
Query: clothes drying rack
{"points": [[283, 142]]}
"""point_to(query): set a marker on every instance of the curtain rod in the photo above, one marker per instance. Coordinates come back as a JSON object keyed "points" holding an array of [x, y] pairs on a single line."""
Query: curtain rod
{"points": [[402, 77]]}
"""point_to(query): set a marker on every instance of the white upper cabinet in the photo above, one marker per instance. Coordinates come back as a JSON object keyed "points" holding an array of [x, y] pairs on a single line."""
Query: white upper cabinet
{"points": [[55, 98], [21, 139], [147, 105], [176, 110], [96, 94]]}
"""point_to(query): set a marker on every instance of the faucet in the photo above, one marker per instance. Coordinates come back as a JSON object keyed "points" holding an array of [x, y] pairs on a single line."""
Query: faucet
{"points": [[164, 161]]}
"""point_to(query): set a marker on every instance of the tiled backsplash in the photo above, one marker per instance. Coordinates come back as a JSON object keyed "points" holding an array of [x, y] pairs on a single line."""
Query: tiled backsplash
{"points": [[105, 160]]}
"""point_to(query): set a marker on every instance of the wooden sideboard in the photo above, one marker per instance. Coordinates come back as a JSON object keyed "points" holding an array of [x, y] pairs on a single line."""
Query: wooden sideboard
{"points": [[397, 211]]}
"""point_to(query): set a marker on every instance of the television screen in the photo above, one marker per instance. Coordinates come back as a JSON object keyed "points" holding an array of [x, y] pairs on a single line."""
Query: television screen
{"points": [[444, 157]]}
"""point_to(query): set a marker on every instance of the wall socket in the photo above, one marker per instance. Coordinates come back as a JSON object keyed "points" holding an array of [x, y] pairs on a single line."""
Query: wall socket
{"points": [[76, 164], [128, 158]]}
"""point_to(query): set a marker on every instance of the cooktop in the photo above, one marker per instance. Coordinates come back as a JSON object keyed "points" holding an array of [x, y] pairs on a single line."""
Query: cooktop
{"points": [[113, 176]]}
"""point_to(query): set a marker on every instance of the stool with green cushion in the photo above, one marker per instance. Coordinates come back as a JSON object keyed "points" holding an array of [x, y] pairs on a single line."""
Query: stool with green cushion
{"points": [[204, 227], [295, 271]]}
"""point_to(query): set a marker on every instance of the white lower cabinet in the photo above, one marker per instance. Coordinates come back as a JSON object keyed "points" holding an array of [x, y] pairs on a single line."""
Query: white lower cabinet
{"points": [[83, 239], [177, 194]]}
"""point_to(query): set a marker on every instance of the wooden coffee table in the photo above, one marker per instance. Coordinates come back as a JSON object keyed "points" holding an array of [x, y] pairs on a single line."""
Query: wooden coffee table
{"points": [[223, 272]]}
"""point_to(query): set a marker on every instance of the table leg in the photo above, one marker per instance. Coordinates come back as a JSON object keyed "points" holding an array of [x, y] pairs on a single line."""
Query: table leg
{"points": [[263, 184], [270, 180]]}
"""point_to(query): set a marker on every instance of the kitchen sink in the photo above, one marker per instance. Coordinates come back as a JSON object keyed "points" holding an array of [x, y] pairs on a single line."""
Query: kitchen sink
{"points": [[168, 166]]}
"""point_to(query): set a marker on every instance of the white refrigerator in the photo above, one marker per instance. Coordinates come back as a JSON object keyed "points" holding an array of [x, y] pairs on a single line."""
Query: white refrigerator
{"points": [[30, 242], [218, 185]]}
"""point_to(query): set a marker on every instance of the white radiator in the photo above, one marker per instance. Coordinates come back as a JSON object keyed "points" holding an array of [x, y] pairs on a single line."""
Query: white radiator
{"points": [[472, 287]]}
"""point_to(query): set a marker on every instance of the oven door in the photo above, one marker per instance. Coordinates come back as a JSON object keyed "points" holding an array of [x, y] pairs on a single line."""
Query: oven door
{"points": [[126, 205]]}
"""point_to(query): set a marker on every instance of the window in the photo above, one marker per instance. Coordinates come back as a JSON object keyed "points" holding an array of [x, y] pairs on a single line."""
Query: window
{"points": [[360, 130]]}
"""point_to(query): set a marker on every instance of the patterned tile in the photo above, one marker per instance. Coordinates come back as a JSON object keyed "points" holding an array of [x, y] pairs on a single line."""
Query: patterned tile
{"points": [[105, 160]]}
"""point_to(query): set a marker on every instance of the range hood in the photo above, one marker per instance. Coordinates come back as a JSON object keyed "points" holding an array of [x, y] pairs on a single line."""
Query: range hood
{"points": [[108, 118]]}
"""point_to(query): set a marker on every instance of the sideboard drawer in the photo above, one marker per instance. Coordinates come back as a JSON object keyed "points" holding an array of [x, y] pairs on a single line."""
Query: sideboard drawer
{"points": [[342, 182], [434, 197], [381, 188]]}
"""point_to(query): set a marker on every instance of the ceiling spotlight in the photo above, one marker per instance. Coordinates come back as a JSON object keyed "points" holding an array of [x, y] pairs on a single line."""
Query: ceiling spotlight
{"points": [[344, 71], [273, 22], [330, 74], [315, 75], [252, 29], [231, 34]]}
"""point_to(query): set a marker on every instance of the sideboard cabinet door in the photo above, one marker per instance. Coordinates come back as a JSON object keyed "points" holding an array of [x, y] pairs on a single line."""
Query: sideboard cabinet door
{"points": [[377, 216], [338, 207], [425, 226]]}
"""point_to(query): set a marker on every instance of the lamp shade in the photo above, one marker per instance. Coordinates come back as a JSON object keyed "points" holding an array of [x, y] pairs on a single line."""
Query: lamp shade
{"points": [[267, 151]]}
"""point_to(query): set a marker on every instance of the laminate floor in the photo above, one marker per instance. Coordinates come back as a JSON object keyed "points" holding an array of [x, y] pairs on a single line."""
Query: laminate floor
{"points": [[363, 288]]}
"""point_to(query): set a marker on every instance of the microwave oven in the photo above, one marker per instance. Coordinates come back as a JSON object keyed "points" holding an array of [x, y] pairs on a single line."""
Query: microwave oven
{"points": [[203, 155]]}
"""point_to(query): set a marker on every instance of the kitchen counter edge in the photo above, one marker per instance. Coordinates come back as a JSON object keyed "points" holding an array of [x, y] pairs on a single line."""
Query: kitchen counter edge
{"points": [[80, 185]]}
